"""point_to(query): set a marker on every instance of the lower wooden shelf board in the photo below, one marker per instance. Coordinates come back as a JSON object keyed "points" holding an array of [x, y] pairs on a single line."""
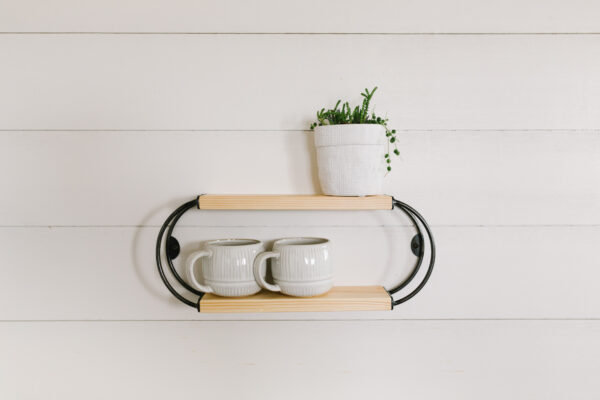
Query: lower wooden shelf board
{"points": [[339, 298]]}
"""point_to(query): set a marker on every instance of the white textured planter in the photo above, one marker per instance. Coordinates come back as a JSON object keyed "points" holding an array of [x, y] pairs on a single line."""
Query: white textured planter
{"points": [[350, 159]]}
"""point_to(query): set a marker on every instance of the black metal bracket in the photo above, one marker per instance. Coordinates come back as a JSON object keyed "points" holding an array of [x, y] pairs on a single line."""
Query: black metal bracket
{"points": [[172, 250], [418, 249], [415, 244]]}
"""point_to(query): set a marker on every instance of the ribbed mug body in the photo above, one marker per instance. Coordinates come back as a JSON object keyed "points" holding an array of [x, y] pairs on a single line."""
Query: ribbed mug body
{"points": [[303, 267], [228, 270]]}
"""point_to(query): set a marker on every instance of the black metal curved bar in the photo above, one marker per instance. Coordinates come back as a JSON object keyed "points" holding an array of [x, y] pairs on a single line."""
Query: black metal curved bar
{"points": [[411, 211], [420, 256], [175, 215], [170, 260]]}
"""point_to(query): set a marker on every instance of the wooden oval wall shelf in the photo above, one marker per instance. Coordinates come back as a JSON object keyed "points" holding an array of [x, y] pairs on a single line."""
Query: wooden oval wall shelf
{"points": [[340, 298]]}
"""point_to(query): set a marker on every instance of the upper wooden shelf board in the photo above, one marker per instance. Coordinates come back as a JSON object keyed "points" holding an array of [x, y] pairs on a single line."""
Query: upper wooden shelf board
{"points": [[339, 298], [292, 202]]}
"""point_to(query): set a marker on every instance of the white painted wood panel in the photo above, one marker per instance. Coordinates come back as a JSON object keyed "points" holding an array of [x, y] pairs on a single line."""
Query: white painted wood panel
{"points": [[267, 82], [102, 135], [309, 16], [110, 273], [297, 360], [138, 178]]}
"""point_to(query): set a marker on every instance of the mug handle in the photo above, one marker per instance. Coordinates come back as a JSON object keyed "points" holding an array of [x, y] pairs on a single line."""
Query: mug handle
{"points": [[191, 260], [260, 270]]}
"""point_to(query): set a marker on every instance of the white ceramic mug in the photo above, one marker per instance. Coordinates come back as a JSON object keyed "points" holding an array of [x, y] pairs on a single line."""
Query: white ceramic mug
{"points": [[300, 267], [226, 267]]}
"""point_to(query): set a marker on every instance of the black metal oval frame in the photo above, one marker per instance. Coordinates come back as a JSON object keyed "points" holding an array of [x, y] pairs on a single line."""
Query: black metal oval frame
{"points": [[171, 246]]}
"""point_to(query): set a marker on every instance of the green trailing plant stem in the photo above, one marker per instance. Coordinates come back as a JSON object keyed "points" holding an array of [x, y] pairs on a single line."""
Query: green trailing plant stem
{"points": [[358, 115]]}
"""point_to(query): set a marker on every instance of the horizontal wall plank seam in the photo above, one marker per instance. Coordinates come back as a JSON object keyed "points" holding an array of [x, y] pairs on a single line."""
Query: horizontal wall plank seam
{"points": [[303, 33], [524, 226], [200, 131], [304, 320]]}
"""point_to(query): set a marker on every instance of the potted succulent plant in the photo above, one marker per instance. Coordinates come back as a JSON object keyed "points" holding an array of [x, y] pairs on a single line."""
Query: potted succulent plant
{"points": [[353, 149]]}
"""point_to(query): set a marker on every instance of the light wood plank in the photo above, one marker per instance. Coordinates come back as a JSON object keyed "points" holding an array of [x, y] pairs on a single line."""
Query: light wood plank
{"points": [[139, 178], [292, 202], [67, 270], [300, 16], [250, 82], [550, 360], [339, 298]]}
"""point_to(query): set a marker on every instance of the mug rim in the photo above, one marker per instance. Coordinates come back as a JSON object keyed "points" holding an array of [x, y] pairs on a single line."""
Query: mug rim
{"points": [[316, 241], [231, 242]]}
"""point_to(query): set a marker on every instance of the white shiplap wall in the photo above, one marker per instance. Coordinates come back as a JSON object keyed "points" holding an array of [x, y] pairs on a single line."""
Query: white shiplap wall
{"points": [[114, 112]]}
